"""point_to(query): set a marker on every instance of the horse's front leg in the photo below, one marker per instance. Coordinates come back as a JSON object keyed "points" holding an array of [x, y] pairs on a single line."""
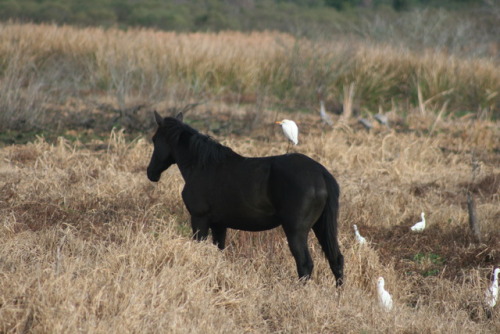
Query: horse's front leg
{"points": [[219, 236], [200, 227]]}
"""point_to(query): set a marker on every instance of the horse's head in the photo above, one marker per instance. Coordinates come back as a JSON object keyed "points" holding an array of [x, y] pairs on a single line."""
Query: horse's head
{"points": [[162, 157]]}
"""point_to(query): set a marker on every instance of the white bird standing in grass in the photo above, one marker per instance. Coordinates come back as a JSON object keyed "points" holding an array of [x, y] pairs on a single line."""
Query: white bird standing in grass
{"points": [[384, 297], [361, 240], [324, 116], [420, 226], [366, 123], [290, 130], [491, 294], [382, 119]]}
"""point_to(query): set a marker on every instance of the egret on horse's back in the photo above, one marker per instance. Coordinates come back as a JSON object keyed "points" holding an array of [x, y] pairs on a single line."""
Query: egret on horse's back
{"points": [[226, 190]]}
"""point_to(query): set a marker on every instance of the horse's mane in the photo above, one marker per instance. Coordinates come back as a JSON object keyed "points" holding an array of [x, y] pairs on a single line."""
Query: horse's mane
{"points": [[204, 150]]}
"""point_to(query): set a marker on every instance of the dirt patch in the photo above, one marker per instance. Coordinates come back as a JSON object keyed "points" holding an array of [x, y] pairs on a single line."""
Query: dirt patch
{"points": [[420, 189], [486, 186], [435, 252], [23, 154]]}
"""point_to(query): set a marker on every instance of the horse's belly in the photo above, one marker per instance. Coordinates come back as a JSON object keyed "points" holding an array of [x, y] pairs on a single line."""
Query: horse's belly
{"points": [[256, 223]]}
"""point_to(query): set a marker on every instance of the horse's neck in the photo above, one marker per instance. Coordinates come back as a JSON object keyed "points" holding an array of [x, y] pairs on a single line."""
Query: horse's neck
{"points": [[184, 163], [188, 162]]}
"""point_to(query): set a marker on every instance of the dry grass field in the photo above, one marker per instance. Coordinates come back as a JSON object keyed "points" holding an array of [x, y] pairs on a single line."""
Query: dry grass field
{"points": [[89, 244], [63, 75]]}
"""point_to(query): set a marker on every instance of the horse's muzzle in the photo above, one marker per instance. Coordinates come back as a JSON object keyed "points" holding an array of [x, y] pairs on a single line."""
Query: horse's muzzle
{"points": [[154, 177]]}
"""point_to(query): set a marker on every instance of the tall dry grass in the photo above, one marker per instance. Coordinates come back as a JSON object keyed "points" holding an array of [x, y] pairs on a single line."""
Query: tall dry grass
{"points": [[90, 245], [48, 71]]}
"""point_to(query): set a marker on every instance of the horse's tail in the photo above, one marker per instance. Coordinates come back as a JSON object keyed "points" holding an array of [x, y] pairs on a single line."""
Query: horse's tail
{"points": [[326, 228]]}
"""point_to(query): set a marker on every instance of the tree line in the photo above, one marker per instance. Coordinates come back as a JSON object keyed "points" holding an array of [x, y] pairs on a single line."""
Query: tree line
{"points": [[196, 15]]}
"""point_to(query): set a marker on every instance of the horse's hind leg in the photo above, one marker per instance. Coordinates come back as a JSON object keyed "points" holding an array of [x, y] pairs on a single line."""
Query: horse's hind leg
{"points": [[297, 241], [334, 256], [219, 236]]}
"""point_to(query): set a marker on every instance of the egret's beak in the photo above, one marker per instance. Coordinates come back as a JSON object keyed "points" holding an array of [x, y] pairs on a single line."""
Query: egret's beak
{"points": [[279, 122]]}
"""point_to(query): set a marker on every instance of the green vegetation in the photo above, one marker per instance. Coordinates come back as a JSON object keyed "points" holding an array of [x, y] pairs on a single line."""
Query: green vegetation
{"points": [[431, 257], [195, 15], [429, 264]]}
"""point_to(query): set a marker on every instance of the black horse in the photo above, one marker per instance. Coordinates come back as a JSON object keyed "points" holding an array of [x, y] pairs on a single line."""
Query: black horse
{"points": [[226, 190]]}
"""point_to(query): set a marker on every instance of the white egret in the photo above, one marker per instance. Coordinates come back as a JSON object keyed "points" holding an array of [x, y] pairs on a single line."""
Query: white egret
{"points": [[324, 116], [366, 123], [382, 119], [290, 130], [491, 294], [361, 240], [420, 226], [384, 297]]}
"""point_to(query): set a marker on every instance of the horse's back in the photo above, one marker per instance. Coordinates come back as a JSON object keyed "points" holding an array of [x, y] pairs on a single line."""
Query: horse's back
{"points": [[299, 169]]}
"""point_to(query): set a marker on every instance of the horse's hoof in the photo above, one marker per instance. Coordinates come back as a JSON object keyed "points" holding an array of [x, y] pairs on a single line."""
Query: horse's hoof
{"points": [[339, 282]]}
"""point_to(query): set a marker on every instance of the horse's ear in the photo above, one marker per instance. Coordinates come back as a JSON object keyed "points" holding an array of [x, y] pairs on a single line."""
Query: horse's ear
{"points": [[180, 116], [158, 118]]}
